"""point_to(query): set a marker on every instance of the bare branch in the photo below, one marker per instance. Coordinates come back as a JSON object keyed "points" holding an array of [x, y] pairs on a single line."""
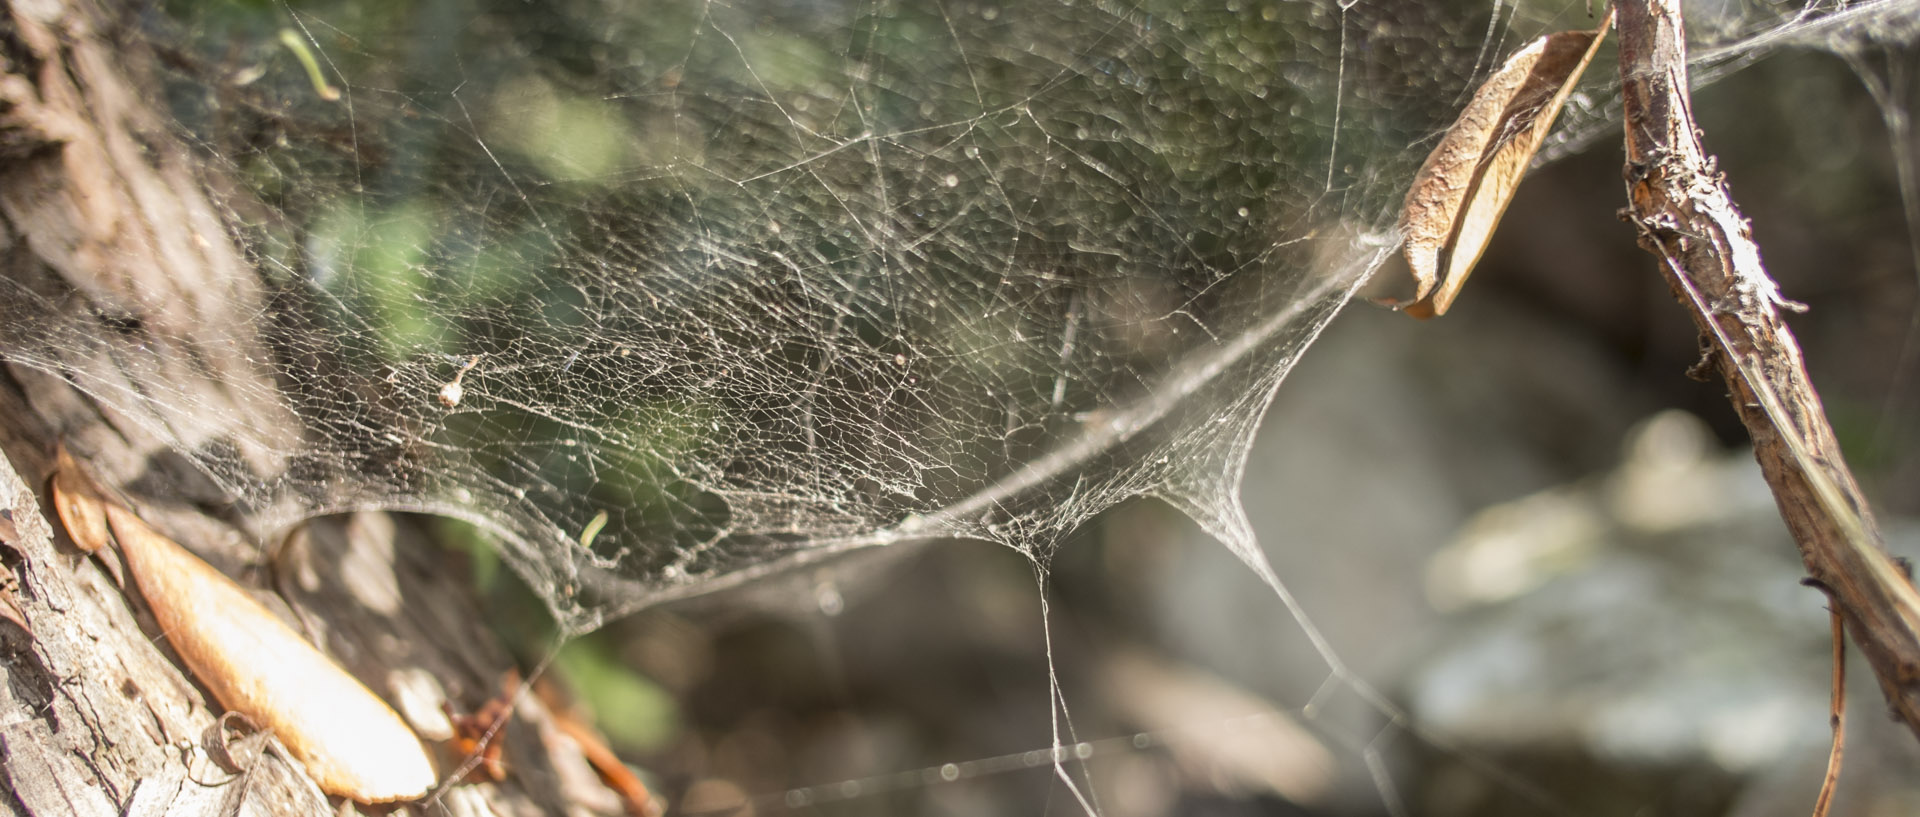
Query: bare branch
{"points": [[1685, 216]]}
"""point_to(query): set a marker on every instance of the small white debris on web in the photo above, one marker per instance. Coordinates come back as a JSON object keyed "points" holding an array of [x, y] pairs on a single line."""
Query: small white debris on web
{"points": [[451, 393]]}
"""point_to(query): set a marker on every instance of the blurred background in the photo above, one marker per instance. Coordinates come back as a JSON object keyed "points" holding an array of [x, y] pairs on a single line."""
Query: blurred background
{"points": [[1530, 567]]}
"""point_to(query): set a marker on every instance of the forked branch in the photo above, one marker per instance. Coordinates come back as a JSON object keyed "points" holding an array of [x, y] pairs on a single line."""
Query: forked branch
{"points": [[1685, 217]]}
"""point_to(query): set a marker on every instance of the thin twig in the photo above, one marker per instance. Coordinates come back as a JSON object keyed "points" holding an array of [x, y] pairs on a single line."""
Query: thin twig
{"points": [[1836, 707], [1838, 710]]}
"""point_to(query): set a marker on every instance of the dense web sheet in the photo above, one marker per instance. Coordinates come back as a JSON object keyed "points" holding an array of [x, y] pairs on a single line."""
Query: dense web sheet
{"points": [[670, 295]]}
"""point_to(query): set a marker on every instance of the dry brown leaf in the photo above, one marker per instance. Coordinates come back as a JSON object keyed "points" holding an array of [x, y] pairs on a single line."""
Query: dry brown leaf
{"points": [[634, 796], [1467, 181], [351, 742], [480, 737], [77, 502]]}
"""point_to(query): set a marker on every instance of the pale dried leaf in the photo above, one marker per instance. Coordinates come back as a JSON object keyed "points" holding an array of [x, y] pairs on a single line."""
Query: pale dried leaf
{"points": [[351, 742], [1461, 191]]}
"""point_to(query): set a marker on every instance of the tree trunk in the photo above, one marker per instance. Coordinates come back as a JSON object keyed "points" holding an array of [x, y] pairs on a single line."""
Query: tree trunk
{"points": [[107, 219]]}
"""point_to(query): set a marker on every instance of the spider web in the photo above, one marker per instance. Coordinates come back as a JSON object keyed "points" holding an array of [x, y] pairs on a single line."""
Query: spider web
{"points": [[671, 296], [736, 287]]}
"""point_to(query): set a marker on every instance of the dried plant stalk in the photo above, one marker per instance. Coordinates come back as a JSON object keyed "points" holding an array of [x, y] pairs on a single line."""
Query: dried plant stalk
{"points": [[1837, 716]]}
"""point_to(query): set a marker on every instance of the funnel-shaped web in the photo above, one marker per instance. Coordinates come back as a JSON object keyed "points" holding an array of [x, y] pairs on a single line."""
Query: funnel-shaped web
{"points": [[670, 294]]}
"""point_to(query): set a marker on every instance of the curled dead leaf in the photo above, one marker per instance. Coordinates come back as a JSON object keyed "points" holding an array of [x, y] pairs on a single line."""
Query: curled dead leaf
{"points": [[1468, 180], [234, 742], [351, 742]]}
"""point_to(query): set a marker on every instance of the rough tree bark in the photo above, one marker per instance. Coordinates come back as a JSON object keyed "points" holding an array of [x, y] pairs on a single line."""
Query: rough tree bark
{"points": [[105, 213]]}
